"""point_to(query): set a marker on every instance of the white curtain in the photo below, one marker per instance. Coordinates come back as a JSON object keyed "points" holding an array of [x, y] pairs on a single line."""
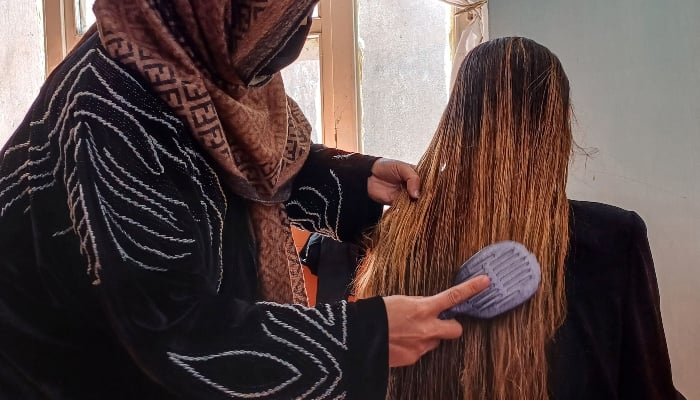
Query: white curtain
{"points": [[471, 22]]}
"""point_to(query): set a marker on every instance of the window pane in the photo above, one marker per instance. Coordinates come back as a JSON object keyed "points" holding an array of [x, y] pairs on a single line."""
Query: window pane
{"points": [[303, 83], [406, 63], [23, 62], [84, 15]]}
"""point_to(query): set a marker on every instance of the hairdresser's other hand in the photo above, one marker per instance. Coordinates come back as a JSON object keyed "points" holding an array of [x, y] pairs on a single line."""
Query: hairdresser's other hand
{"points": [[414, 327], [388, 179]]}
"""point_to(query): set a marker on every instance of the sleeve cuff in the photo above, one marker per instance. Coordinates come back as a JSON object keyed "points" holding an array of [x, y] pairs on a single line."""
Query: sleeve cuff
{"points": [[368, 350]]}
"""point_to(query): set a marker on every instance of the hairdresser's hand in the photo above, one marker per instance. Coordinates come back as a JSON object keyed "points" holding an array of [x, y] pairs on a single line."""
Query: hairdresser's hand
{"points": [[388, 179], [414, 327]]}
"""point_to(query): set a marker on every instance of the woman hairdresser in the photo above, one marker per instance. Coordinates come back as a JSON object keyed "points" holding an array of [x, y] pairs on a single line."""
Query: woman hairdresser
{"points": [[145, 209]]}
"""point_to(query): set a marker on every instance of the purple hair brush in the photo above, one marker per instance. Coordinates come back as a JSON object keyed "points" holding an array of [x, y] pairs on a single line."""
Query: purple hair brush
{"points": [[515, 276]]}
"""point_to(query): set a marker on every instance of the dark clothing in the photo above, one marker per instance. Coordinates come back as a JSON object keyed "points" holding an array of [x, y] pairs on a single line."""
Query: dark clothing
{"points": [[127, 271], [334, 264], [612, 344]]}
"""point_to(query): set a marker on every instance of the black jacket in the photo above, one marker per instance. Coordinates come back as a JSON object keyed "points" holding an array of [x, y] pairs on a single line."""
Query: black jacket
{"points": [[612, 344], [127, 271]]}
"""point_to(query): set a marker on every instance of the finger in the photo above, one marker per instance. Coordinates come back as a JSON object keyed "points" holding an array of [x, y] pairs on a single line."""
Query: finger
{"points": [[457, 294], [409, 175], [430, 346], [449, 329], [379, 190]]}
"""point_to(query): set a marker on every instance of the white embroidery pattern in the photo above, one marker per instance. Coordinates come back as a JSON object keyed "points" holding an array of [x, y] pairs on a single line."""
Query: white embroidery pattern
{"points": [[303, 337], [141, 220], [318, 214], [182, 361], [344, 156]]}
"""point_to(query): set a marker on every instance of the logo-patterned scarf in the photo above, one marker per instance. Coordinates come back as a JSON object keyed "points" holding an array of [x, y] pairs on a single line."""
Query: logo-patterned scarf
{"points": [[216, 64]]}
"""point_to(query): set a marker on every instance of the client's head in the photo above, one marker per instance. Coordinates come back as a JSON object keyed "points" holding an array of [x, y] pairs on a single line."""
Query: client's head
{"points": [[495, 170]]}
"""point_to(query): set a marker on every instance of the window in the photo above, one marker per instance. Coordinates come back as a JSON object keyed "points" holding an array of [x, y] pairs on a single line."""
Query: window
{"points": [[61, 28], [336, 30], [22, 60], [303, 79], [373, 74], [377, 89], [329, 57], [361, 79], [84, 17], [303, 84], [406, 51]]}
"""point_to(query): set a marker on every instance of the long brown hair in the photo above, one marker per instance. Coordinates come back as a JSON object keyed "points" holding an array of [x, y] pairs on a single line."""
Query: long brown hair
{"points": [[495, 170]]}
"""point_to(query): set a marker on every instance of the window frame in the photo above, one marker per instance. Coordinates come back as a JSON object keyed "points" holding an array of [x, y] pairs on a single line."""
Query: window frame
{"points": [[60, 31], [336, 26], [339, 74]]}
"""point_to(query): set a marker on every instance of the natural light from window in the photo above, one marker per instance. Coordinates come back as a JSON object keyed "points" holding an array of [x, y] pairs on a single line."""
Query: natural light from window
{"points": [[84, 17], [303, 84], [406, 64]]}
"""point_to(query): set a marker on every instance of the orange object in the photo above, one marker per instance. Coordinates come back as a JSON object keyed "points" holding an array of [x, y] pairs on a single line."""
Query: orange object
{"points": [[300, 238]]}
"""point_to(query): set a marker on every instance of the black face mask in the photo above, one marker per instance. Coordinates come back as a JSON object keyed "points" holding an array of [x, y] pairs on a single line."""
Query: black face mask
{"points": [[289, 53]]}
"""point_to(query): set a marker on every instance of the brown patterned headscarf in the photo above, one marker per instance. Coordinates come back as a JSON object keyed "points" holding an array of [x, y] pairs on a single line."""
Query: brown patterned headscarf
{"points": [[216, 64]]}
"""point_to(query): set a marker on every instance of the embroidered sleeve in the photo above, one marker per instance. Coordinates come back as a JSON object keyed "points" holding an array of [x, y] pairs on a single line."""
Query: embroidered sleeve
{"points": [[330, 194], [148, 213]]}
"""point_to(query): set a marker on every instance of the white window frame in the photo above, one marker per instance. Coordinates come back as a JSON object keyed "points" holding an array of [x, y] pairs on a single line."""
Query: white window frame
{"points": [[339, 74]]}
